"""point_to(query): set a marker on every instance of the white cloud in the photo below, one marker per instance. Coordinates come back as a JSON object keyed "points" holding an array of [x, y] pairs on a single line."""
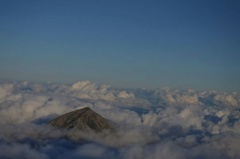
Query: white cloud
{"points": [[15, 151], [163, 123], [5, 90]]}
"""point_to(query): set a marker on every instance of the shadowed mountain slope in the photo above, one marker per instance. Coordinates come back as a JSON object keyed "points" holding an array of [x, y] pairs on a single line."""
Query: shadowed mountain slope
{"points": [[82, 119]]}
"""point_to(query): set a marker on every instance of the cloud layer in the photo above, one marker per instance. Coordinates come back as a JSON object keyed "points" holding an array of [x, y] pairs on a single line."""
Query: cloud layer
{"points": [[162, 123]]}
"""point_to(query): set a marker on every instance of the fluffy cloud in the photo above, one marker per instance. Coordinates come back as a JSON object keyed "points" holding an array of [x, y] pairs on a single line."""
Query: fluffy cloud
{"points": [[163, 123], [5, 90]]}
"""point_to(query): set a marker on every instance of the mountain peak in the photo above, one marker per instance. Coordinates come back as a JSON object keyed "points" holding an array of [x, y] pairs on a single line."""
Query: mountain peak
{"points": [[81, 119]]}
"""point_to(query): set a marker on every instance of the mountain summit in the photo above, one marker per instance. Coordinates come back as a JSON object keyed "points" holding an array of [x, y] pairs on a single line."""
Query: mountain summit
{"points": [[81, 119]]}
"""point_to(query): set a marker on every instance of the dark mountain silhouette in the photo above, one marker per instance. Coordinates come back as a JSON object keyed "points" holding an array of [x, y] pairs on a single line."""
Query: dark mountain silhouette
{"points": [[82, 119]]}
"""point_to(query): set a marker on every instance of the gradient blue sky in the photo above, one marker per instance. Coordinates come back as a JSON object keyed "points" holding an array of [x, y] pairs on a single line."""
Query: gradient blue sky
{"points": [[174, 43]]}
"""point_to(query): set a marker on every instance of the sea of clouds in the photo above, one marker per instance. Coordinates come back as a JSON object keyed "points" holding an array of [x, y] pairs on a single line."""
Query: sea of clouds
{"points": [[155, 124]]}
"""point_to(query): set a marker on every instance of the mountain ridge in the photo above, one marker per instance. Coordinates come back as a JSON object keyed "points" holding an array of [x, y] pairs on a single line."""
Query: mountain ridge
{"points": [[82, 119]]}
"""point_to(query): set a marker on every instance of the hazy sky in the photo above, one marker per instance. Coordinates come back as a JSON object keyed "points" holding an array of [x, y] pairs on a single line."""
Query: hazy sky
{"points": [[174, 43]]}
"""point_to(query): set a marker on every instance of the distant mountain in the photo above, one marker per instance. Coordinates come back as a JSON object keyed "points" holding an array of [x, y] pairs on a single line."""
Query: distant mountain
{"points": [[82, 119]]}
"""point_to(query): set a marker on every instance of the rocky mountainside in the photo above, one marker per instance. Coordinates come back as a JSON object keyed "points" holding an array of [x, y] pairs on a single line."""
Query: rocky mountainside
{"points": [[82, 119]]}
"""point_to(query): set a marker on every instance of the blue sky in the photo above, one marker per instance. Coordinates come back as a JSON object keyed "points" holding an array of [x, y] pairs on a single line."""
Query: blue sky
{"points": [[180, 44]]}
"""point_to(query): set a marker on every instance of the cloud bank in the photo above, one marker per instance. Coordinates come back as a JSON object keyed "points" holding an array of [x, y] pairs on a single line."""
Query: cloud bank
{"points": [[161, 123]]}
